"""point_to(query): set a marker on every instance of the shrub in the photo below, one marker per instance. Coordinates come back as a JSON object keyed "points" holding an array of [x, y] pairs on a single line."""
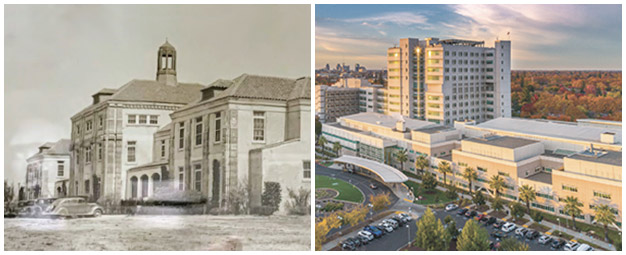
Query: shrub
{"points": [[239, 199], [271, 195], [332, 206], [262, 210], [536, 216], [478, 199], [451, 193], [298, 203]]}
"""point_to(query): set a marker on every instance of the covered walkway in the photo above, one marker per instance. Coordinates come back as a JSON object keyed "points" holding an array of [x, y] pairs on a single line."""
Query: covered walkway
{"points": [[386, 173]]}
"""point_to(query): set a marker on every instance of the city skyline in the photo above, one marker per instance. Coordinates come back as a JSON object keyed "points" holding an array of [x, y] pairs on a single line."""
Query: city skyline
{"points": [[544, 37]]}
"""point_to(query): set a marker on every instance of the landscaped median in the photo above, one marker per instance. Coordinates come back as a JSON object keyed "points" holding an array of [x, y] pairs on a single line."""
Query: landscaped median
{"points": [[347, 191], [428, 197]]}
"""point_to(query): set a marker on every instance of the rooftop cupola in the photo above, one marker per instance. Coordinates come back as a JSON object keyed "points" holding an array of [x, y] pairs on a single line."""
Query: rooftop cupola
{"points": [[166, 64]]}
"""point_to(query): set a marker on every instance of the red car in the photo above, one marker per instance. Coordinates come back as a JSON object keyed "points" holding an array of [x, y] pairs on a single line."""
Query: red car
{"points": [[480, 217]]}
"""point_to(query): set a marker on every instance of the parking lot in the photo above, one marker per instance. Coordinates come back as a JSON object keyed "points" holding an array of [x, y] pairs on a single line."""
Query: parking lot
{"points": [[460, 222], [389, 241]]}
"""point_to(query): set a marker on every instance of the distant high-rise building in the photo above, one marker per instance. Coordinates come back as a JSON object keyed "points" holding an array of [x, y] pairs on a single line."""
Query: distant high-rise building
{"points": [[357, 67], [339, 67], [327, 67], [446, 80]]}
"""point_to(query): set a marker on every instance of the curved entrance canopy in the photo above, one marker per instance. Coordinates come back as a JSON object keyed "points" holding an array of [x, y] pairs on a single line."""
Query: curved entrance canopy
{"points": [[387, 173]]}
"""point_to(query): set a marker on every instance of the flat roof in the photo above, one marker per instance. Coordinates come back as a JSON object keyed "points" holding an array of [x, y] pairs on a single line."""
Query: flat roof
{"points": [[605, 157], [550, 129], [542, 177], [389, 121], [386, 142], [503, 141], [387, 173], [433, 130]]}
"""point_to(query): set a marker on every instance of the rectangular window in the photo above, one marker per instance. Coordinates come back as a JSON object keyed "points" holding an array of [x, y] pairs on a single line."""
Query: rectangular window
{"points": [[131, 151], [601, 195], [259, 126], [143, 119], [99, 152], [481, 169], [87, 186], [181, 135], [162, 148], [218, 127], [154, 119], [570, 188], [181, 177], [199, 131], [100, 122], [306, 165], [60, 168], [88, 155], [503, 173], [198, 177], [132, 119]]}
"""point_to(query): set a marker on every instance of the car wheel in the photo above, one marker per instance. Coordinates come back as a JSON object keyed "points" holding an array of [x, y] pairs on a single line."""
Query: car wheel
{"points": [[97, 213]]}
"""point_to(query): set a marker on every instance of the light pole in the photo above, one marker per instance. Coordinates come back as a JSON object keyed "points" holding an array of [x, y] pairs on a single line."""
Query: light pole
{"points": [[408, 234]]}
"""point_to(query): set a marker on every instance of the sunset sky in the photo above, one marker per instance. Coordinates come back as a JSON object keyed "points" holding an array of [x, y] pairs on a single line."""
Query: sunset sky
{"points": [[562, 37]]}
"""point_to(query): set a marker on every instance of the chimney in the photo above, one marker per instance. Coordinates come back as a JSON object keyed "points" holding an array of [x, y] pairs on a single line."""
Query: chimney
{"points": [[400, 125], [607, 137]]}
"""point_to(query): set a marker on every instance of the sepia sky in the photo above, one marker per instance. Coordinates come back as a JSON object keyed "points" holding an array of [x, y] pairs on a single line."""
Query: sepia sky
{"points": [[56, 57], [562, 37]]}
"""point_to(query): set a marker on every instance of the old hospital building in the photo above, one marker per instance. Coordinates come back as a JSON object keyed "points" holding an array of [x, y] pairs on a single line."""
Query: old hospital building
{"points": [[189, 137]]}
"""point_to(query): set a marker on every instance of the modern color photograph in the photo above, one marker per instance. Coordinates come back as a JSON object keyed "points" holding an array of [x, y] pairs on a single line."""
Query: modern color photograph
{"points": [[468, 127], [157, 127]]}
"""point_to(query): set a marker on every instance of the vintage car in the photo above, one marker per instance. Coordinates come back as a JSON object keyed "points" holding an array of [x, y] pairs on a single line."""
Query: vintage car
{"points": [[73, 207], [35, 207]]}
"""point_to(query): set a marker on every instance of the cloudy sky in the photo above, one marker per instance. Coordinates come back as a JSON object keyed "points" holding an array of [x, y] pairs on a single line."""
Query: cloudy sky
{"points": [[56, 57], [542, 36]]}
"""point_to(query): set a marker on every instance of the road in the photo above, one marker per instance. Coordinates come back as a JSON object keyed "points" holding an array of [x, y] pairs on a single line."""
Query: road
{"points": [[391, 241]]}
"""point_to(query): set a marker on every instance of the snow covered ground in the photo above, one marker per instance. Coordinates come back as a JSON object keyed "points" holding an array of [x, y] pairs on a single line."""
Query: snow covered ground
{"points": [[150, 232]]}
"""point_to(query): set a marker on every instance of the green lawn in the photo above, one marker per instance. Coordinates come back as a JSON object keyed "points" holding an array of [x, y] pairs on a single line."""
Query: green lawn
{"points": [[347, 191], [430, 198]]}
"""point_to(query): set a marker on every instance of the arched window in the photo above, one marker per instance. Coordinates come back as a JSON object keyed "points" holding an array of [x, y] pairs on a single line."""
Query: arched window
{"points": [[216, 182], [156, 181], [144, 186], [133, 187]]}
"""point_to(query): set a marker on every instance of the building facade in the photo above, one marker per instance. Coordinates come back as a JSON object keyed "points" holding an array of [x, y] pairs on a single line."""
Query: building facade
{"points": [[346, 97], [446, 80], [558, 159], [46, 168], [115, 133], [241, 133]]}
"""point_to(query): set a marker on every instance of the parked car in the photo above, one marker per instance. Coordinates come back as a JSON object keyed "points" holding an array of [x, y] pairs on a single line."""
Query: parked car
{"points": [[498, 224], [348, 245], [557, 244], [585, 247], [498, 234], [470, 214], [376, 232], [399, 222], [364, 240], [508, 227], [386, 227], [400, 218], [451, 207], [571, 246], [373, 186], [73, 207], [544, 239], [36, 207], [366, 234], [490, 220], [391, 222], [494, 246], [532, 234], [481, 217], [462, 211], [406, 217], [521, 231], [356, 241]]}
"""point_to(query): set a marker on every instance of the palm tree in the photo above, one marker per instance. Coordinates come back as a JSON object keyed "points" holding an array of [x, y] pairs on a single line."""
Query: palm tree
{"points": [[572, 208], [470, 175], [421, 162], [402, 157], [444, 168], [322, 142], [336, 148], [604, 216], [496, 184], [527, 193]]}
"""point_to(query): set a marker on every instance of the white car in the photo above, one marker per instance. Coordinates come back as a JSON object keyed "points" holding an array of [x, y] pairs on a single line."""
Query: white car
{"points": [[406, 217], [585, 247], [508, 227], [391, 223], [386, 227], [571, 246], [366, 234], [544, 239], [520, 231], [451, 207]]}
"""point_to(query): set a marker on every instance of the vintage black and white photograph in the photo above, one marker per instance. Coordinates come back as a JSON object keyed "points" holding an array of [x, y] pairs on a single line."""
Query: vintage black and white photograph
{"points": [[157, 127]]}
